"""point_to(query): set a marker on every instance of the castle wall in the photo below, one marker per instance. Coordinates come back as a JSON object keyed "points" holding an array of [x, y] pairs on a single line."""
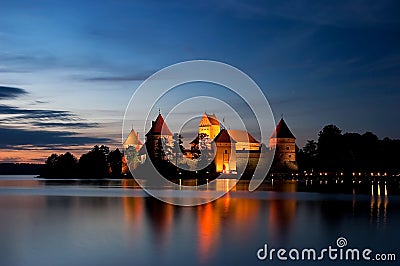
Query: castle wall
{"points": [[247, 146], [205, 130], [215, 129], [225, 157]]}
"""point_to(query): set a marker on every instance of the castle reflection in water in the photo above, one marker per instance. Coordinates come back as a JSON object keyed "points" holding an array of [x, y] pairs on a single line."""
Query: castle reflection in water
{"points": [[239, 215]]}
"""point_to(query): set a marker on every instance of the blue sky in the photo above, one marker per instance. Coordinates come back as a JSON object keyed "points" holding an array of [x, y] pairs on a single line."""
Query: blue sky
{"points": [[78, 63]]}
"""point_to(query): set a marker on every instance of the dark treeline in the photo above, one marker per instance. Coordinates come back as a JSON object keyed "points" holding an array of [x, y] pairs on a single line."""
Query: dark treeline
{"points": [[335, 151], [99, 162]]}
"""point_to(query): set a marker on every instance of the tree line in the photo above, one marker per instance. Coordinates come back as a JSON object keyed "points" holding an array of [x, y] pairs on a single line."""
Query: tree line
{"points": [[335, 151], [99, 162]]}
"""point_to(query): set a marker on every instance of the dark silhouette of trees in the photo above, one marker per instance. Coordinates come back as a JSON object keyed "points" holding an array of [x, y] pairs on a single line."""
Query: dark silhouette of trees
{"points": [[94, 163], [330, 148], [349, 152], [60, 166], [307, 157], [114, 160], [99, 162]]}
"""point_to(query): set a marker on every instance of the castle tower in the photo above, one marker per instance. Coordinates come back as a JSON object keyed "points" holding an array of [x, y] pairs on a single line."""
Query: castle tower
{"points": [[225, 157], [284, 143], [209, 125], [133, 140], [158, 131]]}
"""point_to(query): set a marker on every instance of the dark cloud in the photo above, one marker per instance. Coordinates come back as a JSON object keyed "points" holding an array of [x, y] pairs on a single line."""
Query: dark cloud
{"points": [[12, 138], [37, 113], [10, 92], [137, 77], [69, 125]]}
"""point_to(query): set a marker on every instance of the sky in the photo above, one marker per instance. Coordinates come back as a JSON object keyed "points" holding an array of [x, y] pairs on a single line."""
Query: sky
{"points": [[69, 68]]}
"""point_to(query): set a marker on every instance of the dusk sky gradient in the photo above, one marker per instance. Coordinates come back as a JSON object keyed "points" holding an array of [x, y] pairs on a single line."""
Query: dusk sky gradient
{"points": [[69, 68]]}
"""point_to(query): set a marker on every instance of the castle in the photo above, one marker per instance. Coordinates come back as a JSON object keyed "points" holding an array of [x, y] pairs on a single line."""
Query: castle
{"points": [[233, 148]]}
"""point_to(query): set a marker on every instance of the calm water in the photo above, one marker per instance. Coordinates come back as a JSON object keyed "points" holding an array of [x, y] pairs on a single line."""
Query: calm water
{"points": [[114, 223]]}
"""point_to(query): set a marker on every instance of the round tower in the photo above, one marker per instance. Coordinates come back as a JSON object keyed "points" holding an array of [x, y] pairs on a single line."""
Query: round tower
{"points": [[284, 143]]}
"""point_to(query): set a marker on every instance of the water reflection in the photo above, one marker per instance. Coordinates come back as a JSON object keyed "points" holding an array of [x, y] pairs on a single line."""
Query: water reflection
{"points": [[139, 230], [238, 217]]}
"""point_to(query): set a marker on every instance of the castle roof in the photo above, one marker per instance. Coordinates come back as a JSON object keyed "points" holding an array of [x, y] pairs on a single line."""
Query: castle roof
{"points": [[282, 131], [242, 136], [208, 120], [223, 137], [159, 127], [132, 139]]}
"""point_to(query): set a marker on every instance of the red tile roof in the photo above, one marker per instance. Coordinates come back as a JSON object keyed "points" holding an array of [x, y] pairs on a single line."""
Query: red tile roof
{"points": [[159, 127], [282, 131], [223, 137], [208, 120], [242, 136]]}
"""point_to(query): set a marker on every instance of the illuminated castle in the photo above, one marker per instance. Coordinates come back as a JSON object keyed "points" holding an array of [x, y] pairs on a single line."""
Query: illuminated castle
{"points": [[133, 141], [209, 125], [158, 133], [234, 148]]}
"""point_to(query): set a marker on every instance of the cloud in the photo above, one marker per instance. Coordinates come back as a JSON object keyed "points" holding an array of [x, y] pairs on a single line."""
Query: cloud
{"points": [[69, 125], [10, 92], [13, 138], [117, 78], [44, 119], [40, 114]]}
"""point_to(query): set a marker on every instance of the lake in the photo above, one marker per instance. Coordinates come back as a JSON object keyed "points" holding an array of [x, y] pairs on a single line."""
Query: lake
{"points": [[114, 222]]}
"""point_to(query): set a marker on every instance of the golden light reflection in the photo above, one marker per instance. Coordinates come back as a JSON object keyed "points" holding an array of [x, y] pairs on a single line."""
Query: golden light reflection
{"points": [[281, 216], [377, 203], [133, 211], [241, 214], [215, 219]]}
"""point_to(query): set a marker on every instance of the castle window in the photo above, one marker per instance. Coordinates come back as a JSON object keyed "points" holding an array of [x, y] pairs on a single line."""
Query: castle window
{"points": [[226, 151], [290, 156], [287, 148]]}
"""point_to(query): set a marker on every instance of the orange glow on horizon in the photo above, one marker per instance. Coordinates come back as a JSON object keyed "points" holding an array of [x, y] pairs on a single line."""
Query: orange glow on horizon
{"points": [[39, 155]]}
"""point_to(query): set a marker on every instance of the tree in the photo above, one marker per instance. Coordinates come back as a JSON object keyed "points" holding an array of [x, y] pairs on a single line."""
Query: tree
{"points": [[307, 157], [177, 148], [63, 165], [330, 148], [114, 160], [132, 157], [94, 163], [311, 148]]}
